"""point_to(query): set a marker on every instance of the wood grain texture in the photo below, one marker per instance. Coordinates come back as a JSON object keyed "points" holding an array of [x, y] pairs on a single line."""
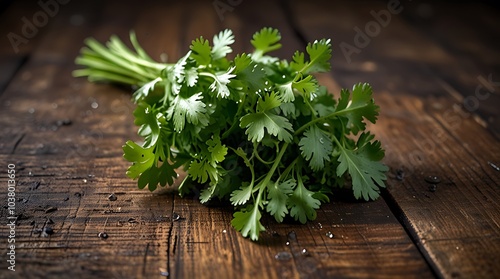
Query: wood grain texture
{"points": [[65, 137]]}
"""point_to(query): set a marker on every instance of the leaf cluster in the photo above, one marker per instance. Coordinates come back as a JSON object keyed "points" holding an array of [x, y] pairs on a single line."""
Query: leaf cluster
{"points": [[255, 130]]}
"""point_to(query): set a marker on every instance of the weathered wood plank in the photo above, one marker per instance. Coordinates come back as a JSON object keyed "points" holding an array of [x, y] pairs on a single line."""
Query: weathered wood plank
{"points": [[77, 165], [474, 73], [457, 224], [424, 132], [14, 46]]}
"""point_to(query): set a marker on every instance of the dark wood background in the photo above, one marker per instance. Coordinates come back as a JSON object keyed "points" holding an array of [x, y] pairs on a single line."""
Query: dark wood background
{"points": [[435, 69]]}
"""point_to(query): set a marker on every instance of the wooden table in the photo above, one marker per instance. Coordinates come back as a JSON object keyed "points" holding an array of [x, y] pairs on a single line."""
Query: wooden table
{"points": [[435, 69]]}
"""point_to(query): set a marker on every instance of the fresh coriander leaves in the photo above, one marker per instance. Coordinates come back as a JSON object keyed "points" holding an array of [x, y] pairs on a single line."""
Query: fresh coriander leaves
{"points": [[235, 125]]}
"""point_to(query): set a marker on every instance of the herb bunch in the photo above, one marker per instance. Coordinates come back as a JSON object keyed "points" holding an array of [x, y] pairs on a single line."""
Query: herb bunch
{"points": [[255, 130]]}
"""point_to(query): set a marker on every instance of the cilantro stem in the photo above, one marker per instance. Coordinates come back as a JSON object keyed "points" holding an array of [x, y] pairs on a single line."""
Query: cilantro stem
{"points": [[336, 113], [277, 161], [235, 123]]}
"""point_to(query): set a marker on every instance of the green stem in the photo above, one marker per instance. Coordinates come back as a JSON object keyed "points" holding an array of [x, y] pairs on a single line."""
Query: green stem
{"points": [[319, 119], [235, 123], [275, 165]]}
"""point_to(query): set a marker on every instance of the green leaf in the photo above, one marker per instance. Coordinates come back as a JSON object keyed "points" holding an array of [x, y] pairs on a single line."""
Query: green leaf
{"points": [[202, 170], [306, 86], [247, 221], [167, 174], [266, 40], [221, 44], [298, 61], [249, 73], [257, 123], [324, 103], [367, 175], [320, 53], [216, 149], [278, 197], [191, 110], [201, 51], [302, 204], [265, 119], [357, 106], [220, 83], [143, 92], [269, 102], [191, 76], [372, 149], [316, 147], [141, 158], [178, 69], [286, 92], [149, 126], [153, 176], [208, 193], [242, 195], [148, 177]]}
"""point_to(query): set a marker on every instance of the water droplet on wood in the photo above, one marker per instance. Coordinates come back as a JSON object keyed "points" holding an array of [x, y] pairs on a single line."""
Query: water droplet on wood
{"points": [[433, 187], [47, 231], [164, 273], [283, 256], [50, 209], [495, 167], [176, 217], [432, 179], [102, 235], [64, 122], [112, 197], [400, 174], [330, 235]]}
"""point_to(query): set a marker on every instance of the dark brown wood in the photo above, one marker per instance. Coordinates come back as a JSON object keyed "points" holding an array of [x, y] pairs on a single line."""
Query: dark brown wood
{"points": [[65, 135]]}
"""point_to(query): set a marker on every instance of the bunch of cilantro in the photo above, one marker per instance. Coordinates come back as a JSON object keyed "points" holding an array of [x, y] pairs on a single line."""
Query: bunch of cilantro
{"points": [[255, 130]]}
